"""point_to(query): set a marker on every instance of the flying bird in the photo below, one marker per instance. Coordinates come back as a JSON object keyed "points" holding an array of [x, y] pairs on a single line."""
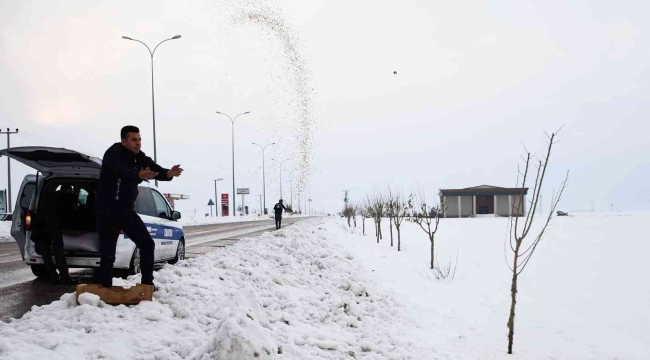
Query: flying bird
{"points": [[394, 72]]}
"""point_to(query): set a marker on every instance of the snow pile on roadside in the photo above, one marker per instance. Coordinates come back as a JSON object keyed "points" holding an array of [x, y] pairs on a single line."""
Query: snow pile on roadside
{"points": [[290, 294], [5, 228]]}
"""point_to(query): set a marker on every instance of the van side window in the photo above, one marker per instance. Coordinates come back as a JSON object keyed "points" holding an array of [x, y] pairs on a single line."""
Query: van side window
{"points": [[162, 209], [26, 195], [144, 202]]}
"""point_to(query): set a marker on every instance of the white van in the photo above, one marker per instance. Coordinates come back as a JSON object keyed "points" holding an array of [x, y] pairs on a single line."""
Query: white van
{"points": [[59, 167]]}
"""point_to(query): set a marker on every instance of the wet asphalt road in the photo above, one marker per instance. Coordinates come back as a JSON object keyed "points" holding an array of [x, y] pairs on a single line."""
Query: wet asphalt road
{"points": [[20, 289]]}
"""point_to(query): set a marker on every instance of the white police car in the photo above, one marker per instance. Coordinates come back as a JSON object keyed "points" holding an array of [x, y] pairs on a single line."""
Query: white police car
{"points": [[60, 169]]}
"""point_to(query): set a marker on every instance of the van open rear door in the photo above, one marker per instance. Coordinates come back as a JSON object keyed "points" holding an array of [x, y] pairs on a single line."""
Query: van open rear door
{"points": [[20, 221], [46, 160], [50, 160]]}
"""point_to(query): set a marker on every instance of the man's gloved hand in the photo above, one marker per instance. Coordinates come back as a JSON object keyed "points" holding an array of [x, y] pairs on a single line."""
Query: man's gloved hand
{"points": [[176, 170], [147, 174]]}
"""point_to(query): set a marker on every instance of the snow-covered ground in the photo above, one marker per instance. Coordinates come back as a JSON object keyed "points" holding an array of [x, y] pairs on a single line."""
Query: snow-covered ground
{"points": [[315, 290], [584, 295], [5, 228]]}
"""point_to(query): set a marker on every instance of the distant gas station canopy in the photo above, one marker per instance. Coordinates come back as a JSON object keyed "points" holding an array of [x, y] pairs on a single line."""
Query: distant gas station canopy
{"points": [[173, 197]]}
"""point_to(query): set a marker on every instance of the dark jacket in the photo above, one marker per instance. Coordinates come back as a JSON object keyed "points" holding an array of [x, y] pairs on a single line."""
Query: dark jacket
{"points": [[118, 179], [278, 209]]}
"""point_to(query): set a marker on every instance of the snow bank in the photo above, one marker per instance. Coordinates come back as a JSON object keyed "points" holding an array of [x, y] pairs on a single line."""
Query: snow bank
{"points": [[290, 294], [5, 228], [584, 295]]}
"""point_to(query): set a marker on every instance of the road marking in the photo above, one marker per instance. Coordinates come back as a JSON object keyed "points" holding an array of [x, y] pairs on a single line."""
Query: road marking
{"points": [[6, 254], [10, 260], [194, 241], [196, 233]]}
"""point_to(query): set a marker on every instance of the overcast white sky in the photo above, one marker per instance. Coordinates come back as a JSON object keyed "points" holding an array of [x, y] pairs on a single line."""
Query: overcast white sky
{"points": [[475, 80]]}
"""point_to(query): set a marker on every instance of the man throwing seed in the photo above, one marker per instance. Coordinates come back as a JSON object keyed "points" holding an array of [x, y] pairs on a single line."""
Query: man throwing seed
{"points": [[124, 166], [278, 208]]}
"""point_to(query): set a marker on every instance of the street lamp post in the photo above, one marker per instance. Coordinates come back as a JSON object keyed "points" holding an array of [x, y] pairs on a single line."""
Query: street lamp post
{"points": [[281, 162], [153, 104], [234, 208], [291, 188], [263, 172], [216, 199]]}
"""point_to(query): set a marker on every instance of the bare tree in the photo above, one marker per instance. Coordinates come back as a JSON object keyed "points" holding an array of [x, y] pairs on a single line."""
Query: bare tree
{"points": [[401, 209], [377, 211], [353, 209], [362, 211], [370, 210], [521, 259], [347, 212], [428, 217], [390, 211]]}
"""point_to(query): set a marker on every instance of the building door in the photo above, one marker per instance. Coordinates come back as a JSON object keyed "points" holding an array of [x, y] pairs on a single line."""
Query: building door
{"points": [[484, 205]]}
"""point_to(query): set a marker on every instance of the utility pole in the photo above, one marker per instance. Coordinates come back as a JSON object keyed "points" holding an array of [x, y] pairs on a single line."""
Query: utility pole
{"points": [[216, 198], [9, 132]]}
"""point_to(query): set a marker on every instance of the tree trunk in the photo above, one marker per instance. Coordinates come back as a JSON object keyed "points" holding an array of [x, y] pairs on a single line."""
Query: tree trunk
{"points": [[363, 221], [399, 242], [377, 231], [390, 221], [432, 253], [513, 301], [381, 235], [349, 222]]}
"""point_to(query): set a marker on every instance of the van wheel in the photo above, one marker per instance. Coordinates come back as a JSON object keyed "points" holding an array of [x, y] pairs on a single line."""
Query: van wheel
{"points": [[180, 252], [134, 268], [39, 270]]}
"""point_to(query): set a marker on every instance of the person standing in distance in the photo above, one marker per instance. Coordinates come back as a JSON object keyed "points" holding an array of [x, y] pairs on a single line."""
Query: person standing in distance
{"points": [[124, 167], [278, 214]]}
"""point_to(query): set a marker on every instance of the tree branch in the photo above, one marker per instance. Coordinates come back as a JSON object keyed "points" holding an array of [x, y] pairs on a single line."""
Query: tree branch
{"points": [[556, 201]]}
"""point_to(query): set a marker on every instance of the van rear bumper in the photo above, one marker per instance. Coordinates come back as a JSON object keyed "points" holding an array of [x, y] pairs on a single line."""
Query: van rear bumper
{"points": [[75, 262], [123, 253]]}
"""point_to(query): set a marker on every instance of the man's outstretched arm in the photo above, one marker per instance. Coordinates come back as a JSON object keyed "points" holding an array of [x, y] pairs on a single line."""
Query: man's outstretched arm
{"points": [[163, 173]]}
